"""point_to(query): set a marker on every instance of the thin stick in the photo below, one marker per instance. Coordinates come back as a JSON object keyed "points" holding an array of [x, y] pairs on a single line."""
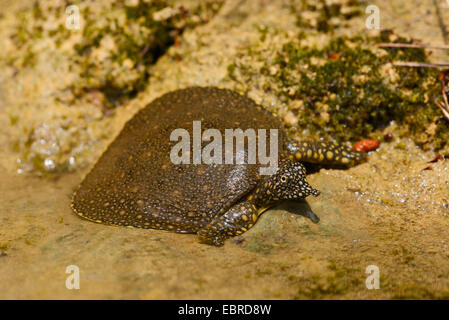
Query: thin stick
{"points": [[446, 114], [411, 45], [446, 103], [420, 64]]}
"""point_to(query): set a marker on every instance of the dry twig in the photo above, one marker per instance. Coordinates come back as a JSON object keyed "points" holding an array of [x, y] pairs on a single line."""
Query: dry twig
{"points": [[445, 112], [420, 64], [411, 45]]}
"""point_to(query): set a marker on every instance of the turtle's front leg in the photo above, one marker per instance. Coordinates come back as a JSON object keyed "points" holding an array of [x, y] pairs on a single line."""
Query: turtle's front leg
{"points": [[235, 221], [324, 153]]}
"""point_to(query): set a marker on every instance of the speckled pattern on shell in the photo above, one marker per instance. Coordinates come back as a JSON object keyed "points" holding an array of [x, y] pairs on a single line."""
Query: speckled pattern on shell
{"points": [[134, 183]]}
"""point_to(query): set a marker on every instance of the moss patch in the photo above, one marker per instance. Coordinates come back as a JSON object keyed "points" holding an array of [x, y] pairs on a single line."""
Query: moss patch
{"points": [[416, 291], [325, 16], [336, 282], [119, 40], [348, 89], [67, 81]]}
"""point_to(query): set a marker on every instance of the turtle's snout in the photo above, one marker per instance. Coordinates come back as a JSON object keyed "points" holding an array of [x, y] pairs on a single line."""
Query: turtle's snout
{"points": [[301, 190], [308, 190], [315, 192]]}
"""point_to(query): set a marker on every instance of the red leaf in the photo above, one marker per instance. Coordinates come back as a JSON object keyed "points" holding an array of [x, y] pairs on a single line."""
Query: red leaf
{"points": [[366, 145]]}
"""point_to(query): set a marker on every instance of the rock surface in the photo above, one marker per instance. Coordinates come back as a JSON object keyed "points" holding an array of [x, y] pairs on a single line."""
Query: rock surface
{"points": [[388, 212]]}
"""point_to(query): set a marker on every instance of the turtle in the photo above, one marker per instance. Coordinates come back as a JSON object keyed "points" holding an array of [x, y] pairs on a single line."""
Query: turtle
{"points": [[136, 183]]}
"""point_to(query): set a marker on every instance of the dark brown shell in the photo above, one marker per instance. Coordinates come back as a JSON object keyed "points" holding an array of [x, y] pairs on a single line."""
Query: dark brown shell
{"points": [[134, 183]]}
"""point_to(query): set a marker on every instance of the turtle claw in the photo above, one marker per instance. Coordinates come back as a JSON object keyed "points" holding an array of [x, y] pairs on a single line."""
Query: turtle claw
{"points": [[216, 240]]}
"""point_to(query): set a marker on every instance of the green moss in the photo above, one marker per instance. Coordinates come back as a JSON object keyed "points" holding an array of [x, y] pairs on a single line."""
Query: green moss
{"points": [[139, 39], [350, 90], [259, 245], [321, 286], [264, 272], [119, 41], [3, 247], [417, 291], [401, 146], [403, 254], [104, 64], [13, 119], [323, 16], [29, 59]]}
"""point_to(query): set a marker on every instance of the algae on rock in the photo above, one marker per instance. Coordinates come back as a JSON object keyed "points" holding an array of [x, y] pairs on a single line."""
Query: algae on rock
{"points": [[346, 90], [62, 84]]}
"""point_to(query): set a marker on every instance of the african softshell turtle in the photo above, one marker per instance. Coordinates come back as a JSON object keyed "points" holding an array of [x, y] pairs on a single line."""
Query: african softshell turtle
{"points": [[135, 182]]}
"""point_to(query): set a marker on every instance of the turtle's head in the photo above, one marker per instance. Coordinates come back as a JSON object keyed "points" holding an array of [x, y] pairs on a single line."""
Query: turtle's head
{"points": [[288, 183]]}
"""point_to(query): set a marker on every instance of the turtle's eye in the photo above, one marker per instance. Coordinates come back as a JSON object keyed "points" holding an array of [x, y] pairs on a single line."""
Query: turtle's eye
{"points": [[284, 179]]}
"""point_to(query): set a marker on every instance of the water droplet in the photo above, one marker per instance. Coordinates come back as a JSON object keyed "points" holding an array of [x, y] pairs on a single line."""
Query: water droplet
{"points": [[49, 164]]}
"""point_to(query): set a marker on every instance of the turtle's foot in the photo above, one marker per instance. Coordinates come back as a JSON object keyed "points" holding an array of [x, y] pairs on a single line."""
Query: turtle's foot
{"points": [[213, 240], [325, 153], [237, 220]]}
